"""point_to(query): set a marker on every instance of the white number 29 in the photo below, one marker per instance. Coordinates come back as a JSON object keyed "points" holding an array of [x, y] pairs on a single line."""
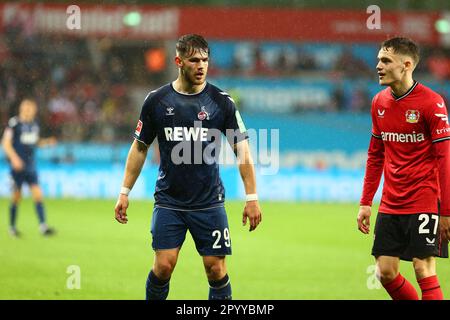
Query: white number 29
{"points": [[226, 235], [426, 219]]}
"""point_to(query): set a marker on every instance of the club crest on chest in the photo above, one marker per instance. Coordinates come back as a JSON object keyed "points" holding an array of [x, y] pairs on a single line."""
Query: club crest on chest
{"points": [[412, 116], [203, 114]]}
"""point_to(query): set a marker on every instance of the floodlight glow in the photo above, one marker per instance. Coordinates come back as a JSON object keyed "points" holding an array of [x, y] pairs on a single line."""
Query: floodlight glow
{"points": [[132, 19], [443, 26]]}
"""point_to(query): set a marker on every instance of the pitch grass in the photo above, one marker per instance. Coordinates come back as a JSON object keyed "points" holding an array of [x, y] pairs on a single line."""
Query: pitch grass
{"points": [[300, 251]]}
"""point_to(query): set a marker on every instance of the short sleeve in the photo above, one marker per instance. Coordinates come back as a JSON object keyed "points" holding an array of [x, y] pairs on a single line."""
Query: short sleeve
{"points": [[234, 129], [10, 128], [145, 129], [437, 119]]}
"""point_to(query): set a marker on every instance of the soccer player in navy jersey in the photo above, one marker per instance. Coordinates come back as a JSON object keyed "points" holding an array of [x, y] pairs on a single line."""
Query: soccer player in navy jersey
{"points": [[19, 142], [188, 117], [410, 143]]}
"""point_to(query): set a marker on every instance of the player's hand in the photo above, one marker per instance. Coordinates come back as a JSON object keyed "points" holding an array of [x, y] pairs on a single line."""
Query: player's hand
{"points": [[444, 227], [51, 141], [121, 209], [364, 219], [253, 213], [17, 164]]}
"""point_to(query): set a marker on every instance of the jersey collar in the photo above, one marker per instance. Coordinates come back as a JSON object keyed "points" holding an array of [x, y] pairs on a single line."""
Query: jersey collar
{"points": [[189, 94], [396, 98]]}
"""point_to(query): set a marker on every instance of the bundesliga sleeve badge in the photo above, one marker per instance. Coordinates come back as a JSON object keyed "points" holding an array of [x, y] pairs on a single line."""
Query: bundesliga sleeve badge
{"points": [[412, 116], [138, 128]]}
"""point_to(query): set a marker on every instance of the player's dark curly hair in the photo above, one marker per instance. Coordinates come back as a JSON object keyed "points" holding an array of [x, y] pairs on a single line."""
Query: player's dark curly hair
{"points": [[403, 46], [187, 44]]}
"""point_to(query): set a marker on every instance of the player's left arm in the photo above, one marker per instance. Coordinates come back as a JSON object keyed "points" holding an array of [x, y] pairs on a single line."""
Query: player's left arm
{"points": [[442, 152], [440, 135], [236, 134], [252, 211], [50, 141], [7, 144]]}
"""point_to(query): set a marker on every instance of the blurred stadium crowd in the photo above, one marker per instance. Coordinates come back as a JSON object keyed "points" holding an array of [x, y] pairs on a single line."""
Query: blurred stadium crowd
{"points": [[84, 94], [78, 101]]}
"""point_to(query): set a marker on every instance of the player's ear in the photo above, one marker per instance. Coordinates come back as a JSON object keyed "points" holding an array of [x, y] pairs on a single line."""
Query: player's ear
{"points": [[178, 61], [408, 64]]}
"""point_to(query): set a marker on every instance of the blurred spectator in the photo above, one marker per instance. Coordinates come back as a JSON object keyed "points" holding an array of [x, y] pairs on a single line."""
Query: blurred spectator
{"points": [[287, 62], [338, 101], [305, 61], [240, 60], [260, 66], [63, 115], [360, 100], [351, 66], [439, 65]]}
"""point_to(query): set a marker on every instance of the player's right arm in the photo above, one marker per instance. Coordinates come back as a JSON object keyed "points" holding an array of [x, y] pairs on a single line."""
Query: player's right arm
{"points": [[374, 171], [133, 167], [144, 135], [7, 144]]}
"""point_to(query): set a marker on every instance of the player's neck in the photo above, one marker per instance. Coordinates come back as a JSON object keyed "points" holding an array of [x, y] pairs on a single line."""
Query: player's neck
{"points": [[185, 87], [25, 119], [401, 87]]}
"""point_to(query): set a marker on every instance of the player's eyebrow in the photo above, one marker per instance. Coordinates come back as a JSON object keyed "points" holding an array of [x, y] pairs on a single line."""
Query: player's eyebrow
{"points": [[194, 59], [384, 59]]}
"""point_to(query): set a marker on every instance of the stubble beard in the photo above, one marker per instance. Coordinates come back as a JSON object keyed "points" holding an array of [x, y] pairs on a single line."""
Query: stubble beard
{"points": [[190, 79]]}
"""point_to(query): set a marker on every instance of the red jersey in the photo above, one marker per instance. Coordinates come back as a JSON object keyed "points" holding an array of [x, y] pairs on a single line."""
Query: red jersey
{"points": [[409, 145]]}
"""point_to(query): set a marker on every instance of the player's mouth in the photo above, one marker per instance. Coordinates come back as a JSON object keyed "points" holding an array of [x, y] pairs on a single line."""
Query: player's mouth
{"points": [[381, 75]]}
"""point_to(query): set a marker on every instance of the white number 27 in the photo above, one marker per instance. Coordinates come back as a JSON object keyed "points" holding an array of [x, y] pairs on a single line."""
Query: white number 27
{"points": [[426, 219]]}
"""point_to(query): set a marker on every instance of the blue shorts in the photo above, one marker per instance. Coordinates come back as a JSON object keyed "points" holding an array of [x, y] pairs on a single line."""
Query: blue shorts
{"points": [[19, 177], [208, 227]]}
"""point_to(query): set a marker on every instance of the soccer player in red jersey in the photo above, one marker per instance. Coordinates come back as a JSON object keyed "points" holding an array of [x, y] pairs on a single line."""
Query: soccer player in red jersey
{"points": [[410, 143]]}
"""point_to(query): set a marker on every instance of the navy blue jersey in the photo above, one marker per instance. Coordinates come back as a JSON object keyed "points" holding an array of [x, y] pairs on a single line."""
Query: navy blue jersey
{"points": [[25, 136], [186, 127]]}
